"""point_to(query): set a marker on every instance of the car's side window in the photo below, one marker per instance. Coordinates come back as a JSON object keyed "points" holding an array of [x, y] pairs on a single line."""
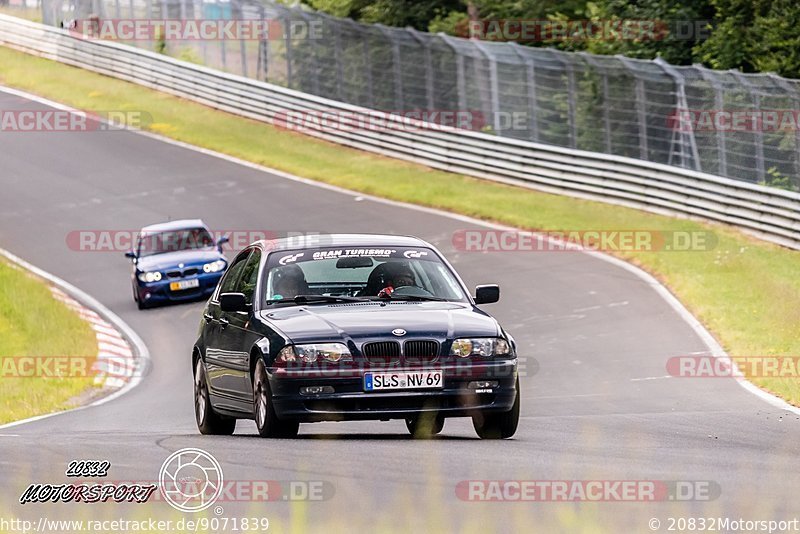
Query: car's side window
{"points": [[247, 282], [228, 283]]}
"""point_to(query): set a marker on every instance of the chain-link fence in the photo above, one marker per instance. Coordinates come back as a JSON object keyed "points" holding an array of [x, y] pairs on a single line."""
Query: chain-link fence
{"points": [[727, 123]]}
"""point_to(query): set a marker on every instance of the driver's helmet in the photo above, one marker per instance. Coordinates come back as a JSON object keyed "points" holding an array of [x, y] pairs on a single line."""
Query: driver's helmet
{"points": [[400, 275], [289, 281]]}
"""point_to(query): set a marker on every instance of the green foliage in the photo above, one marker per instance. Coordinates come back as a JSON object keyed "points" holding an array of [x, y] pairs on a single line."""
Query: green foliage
{"points": [[754, 36], [749, 35]]}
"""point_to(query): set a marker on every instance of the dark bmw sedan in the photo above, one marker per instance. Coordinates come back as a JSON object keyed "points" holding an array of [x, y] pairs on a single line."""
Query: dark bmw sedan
{"points": [[346, 327]]}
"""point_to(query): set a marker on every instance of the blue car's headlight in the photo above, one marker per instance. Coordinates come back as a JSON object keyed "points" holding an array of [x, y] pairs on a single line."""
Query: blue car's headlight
{"points": [[154, 276], [214, 266]]}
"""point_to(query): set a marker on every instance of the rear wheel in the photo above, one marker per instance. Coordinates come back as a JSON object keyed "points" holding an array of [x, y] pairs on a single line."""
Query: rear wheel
{"points": [[208, 421], [498, 425], [425, 425], [267, 422]]}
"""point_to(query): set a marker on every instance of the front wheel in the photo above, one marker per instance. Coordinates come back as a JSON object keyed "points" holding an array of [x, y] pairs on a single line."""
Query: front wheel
{"points": [[425, 425], [498, 425], [267, 422], [208, 421]]}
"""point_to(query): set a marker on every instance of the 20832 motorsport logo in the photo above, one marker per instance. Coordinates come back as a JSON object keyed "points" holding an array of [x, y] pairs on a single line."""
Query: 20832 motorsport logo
{"points": [[191, 480]]}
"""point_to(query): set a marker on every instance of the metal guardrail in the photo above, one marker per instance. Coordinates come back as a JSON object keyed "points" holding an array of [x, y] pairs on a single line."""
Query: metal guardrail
{"points": [[770, 213]]}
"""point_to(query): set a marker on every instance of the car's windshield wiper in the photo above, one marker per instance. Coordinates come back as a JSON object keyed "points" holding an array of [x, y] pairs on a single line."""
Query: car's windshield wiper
{"points": [[413, 297], [302, 299]]}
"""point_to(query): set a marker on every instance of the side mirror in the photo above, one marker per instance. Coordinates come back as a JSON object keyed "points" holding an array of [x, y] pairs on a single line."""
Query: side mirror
{"points": [[221, 241], [130, 254], [487, 294], [233, 302]]}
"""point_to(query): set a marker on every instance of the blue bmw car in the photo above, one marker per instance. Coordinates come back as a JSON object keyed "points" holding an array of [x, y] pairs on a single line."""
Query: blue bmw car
{"points": [[175, 261]]}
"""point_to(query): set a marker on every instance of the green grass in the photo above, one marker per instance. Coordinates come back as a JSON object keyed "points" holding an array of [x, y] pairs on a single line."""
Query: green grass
{"points": [[747, 292], [33, 323]]}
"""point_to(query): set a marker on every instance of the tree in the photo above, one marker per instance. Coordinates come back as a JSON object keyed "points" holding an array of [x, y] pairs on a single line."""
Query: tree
{"points": [[754, 36]]}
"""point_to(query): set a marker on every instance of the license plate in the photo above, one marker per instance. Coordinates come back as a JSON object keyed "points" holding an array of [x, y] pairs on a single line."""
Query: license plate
{"points": [[184, 284], [410, 380]]}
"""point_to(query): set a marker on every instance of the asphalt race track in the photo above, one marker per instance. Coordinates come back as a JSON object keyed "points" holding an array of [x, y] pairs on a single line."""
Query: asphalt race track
{"points": [[593, 337]]}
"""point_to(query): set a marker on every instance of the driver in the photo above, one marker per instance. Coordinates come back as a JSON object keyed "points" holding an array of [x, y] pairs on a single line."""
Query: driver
{"points": [[398, 275], [289, 282]]}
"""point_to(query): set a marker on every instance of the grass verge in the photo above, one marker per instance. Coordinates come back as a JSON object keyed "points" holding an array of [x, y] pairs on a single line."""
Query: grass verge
{"points": [[745, 291], [28, 311]]}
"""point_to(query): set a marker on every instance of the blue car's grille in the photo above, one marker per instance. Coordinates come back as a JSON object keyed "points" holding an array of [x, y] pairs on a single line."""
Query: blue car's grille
{"points": [[191, 271]]}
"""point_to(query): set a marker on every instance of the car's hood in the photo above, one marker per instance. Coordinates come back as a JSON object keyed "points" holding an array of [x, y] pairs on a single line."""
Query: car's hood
{"points": [[360, 321], [167, 260]]}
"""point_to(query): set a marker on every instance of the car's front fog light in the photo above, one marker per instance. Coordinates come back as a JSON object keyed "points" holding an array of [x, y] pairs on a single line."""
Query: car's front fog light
{"points": [[316, 390], [482, 384]]}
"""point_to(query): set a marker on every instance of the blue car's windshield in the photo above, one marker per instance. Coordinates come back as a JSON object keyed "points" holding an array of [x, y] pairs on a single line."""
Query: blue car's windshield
{"points": [[401, 273], [173, 241]]}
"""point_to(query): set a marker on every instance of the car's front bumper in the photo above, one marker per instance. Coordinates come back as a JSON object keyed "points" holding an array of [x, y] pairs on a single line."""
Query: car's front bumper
{"points": [[159, 292], [349, 401]]}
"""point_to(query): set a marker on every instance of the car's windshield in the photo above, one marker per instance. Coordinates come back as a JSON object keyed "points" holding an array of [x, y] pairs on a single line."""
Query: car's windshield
{"points": [[400, 273], [173, 241]]}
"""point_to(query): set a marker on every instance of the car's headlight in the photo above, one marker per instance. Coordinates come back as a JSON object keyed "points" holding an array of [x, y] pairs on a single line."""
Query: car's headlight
{"points": [[485, 347], [154, 276], [315, 352], [214, 266]]}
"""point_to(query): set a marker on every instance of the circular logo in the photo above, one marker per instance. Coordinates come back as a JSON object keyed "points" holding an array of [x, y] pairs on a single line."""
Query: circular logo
{"points": [[399, 332], [190, 480]]}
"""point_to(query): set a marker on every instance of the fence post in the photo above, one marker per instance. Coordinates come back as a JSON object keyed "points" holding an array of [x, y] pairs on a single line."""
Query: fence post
{"points": [[428, 67], [397, 69], [719, 104], [606, 103], [759, 135], [493, 85], [682, 103], [786, 86], [530, 89], [641, 109], [461, 82]]}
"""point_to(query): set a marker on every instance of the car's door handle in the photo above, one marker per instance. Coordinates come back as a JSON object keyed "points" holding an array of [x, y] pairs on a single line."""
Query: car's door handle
{"points": [[224, 322], [208, 317]]}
